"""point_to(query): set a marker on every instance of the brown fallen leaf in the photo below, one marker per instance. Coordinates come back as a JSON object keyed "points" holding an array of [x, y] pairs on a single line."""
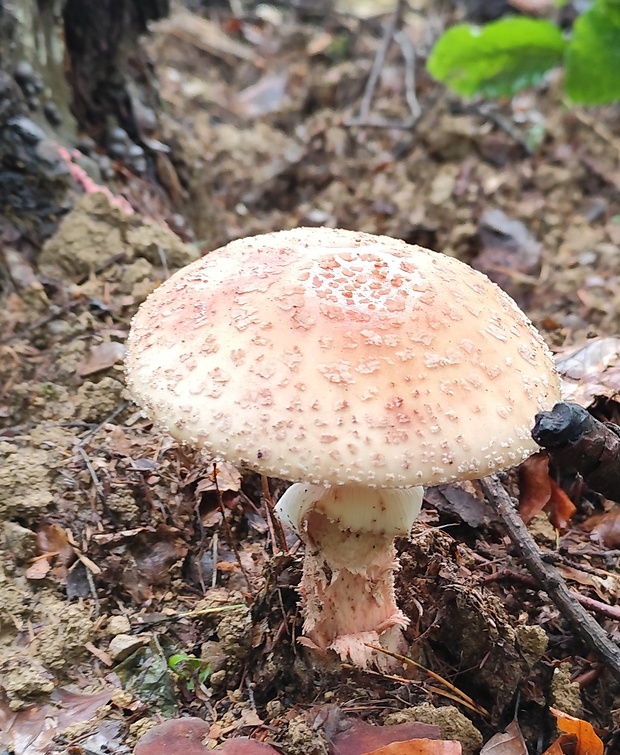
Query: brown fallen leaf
{"points": [[361, 738], [421, 747], [560, 507], [508, 742], [603, 586], [39, 568], [605, 527], [228, 478], [565, 744], [539, 491], [532, 7], [534, 485], [30, 731], [100, 357], [177, 735], [206, 35], [243, 746], [589, 370], [508, 253], [588, 742], [52, 539]]}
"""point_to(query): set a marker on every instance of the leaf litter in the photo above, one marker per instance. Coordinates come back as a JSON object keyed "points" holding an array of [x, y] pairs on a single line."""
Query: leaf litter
{"points": [[114, 537]]}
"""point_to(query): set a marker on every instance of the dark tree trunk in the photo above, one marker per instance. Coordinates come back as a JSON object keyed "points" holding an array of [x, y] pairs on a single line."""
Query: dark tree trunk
{"points": [[103, 55], [66, 66]]}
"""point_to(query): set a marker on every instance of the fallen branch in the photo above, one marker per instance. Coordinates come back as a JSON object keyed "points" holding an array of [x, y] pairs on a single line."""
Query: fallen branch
{"points": [[592, 634], [391, 34], [604, 609], [578, 443]]}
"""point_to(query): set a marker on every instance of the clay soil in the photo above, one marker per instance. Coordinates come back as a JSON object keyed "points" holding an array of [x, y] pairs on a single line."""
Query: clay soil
{"points": [[133, 588]]}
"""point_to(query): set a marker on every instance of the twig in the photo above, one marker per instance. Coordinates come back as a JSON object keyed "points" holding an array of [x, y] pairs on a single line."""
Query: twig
{"points": [[592, 634], [276, 530], [228, 531], [391, 33], [604, 609], [214, 544], [151, 619], [408, 51], [598, 128], [455, 692], [112, 415], [488, 111], [379, 62], [91, 470]]}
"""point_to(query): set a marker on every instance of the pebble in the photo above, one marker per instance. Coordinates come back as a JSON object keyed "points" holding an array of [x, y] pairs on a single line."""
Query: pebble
{"points": [[27, 129]]}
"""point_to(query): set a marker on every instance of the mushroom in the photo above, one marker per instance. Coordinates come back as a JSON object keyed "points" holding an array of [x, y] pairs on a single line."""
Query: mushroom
{"points": [[360, 367]]}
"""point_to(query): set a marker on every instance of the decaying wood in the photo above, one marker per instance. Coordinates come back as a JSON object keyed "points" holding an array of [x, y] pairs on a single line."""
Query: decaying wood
{"points": [[591, 633], [579, 444]]}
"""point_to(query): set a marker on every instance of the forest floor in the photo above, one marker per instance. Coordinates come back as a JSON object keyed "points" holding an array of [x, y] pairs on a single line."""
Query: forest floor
{"points": [[131, 589]]}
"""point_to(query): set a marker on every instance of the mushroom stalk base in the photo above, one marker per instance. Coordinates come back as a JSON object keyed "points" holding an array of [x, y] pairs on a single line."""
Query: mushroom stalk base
{"points": [[347, 586]]}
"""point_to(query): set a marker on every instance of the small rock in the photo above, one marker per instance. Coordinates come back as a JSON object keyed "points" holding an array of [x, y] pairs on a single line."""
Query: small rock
{"points": [[533, 642], [27, 129], [20, 542], [51, 112], [94, 401], [118, 625], [566, 695], [24, 72], [123, 645], [24, 678], [303, 739], [453, 724]]}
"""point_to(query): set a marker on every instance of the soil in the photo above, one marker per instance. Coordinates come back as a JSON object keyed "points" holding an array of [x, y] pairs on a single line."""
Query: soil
{"points": [[118, 551]]}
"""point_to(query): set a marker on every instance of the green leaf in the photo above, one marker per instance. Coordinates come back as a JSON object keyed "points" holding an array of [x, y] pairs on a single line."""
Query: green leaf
{"points": [[499, 58], [593, 55], [146, 675]]}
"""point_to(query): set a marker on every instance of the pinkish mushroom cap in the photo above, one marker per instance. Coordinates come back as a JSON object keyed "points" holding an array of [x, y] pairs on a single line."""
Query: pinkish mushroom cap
{"points": [[350, 362], [337, 357]]}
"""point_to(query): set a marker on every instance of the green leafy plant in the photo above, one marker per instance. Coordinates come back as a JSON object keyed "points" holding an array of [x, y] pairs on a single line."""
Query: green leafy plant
{"points": [[189, 669], [505, 56]]}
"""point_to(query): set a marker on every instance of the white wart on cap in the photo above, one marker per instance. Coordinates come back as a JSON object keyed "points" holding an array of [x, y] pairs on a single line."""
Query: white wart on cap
{"points": [[338, 357]]}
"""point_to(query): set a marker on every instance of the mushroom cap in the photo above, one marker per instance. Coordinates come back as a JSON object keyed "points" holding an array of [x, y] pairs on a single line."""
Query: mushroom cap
{"points": [[336, 357]]}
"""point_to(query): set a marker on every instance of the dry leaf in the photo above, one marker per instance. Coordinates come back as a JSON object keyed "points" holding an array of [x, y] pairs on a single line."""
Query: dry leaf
{"points": [[509, 252], [602, 586], [605, 527], [30, 731], [206, 35], [243, 746], [362, 738], [421, 747], [535, 486], [564, 745], [533, 7], [590, 370], [38, 569], [509, 742], [51, 538], [539, 491], [101, 357], [177, 735], [228, 478], [588, 743], [560, 507], [263, 97]]}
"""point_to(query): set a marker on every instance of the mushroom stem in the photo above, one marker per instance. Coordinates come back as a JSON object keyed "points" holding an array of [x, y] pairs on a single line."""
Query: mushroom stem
{"points": [[348, 574]]}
